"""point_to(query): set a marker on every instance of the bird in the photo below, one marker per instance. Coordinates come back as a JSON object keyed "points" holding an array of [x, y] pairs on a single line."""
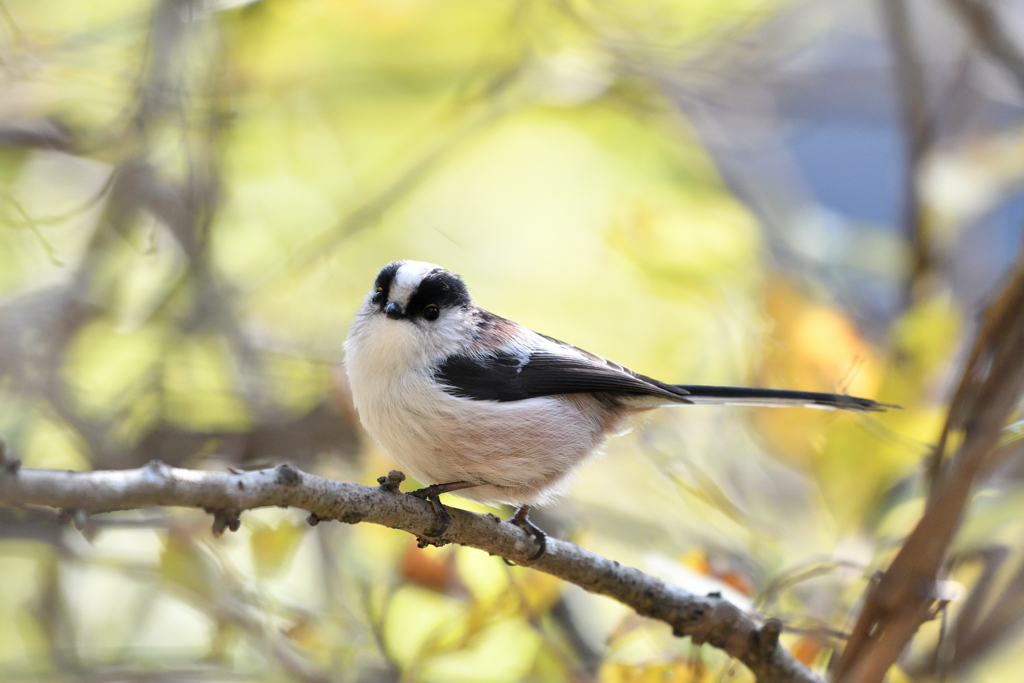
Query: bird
{"points": [[469, 402]]}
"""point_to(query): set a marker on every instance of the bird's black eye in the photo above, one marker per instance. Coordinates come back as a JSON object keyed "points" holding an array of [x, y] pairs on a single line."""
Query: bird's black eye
{"points": [[431, 312], [378, 296]]}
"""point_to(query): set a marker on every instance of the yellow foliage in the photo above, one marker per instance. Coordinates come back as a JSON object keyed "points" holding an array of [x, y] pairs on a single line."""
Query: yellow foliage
{"points": [[52, 444], [273, 547], [546, 152], [816, 347], [926, 337], [685, 238], [812, 347], [185, 563], [676, 671], [201, 387], [309, 634]]}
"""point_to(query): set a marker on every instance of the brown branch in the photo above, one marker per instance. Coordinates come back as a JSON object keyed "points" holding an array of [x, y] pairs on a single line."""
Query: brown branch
{"points": [[987, 29], [706, 619], [908, 591], [991, 615], [911, 89]]}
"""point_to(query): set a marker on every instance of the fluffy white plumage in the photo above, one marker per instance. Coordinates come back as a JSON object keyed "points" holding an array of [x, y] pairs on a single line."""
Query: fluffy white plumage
{"points": [[457, 394], [521, 452]]}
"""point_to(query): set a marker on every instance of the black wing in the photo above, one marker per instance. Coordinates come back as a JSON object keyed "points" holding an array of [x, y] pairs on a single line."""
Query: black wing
{"points": [[561, 368], [506, 376]]}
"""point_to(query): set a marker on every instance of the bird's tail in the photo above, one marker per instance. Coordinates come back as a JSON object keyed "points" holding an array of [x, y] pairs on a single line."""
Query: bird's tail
{"points": [[743, 396]]}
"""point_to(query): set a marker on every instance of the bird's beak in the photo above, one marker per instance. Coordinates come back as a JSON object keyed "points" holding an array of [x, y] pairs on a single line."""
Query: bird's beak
{"points": [[393, 311]]}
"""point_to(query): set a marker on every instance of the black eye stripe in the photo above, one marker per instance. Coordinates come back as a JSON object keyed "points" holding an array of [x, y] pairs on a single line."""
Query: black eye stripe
{"points": [[384, 279], [440, 288]]}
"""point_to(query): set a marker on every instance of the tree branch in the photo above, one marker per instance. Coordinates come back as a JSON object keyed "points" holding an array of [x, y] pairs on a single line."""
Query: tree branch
{"points": [[985, 26], [907, 593], [919, 130], [706, 619]]}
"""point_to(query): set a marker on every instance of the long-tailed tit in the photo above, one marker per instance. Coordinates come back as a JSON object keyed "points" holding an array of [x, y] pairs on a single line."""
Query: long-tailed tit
{"points": [[467, 401]]}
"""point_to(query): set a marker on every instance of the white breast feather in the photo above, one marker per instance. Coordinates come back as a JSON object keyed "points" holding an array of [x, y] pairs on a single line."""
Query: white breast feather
{"points": [[521, 452]]}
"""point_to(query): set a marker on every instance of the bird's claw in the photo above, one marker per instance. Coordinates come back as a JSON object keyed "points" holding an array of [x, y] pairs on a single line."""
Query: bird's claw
{"points": [[521, 520], [430, 494], [443, 519]]}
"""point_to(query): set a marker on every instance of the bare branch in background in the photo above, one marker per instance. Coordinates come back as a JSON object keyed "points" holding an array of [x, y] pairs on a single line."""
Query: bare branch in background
{"points": [[990, 615], [36, 134], [708, 619], [984, 25], [909, 591], [919, 129], [38, 327], [162, 168], [494, 104]]}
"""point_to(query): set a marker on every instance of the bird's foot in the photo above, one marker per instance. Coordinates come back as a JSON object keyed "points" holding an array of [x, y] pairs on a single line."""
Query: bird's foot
{"points": [[434, 490], [440, 513], [521, 520], [432, 494]]}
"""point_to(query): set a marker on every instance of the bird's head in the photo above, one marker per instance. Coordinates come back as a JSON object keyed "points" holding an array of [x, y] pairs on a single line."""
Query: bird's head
{"points": [[415, 312]]}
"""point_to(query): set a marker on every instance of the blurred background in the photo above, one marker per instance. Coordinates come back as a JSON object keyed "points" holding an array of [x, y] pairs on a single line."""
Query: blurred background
{"points": [[195, 197]]}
